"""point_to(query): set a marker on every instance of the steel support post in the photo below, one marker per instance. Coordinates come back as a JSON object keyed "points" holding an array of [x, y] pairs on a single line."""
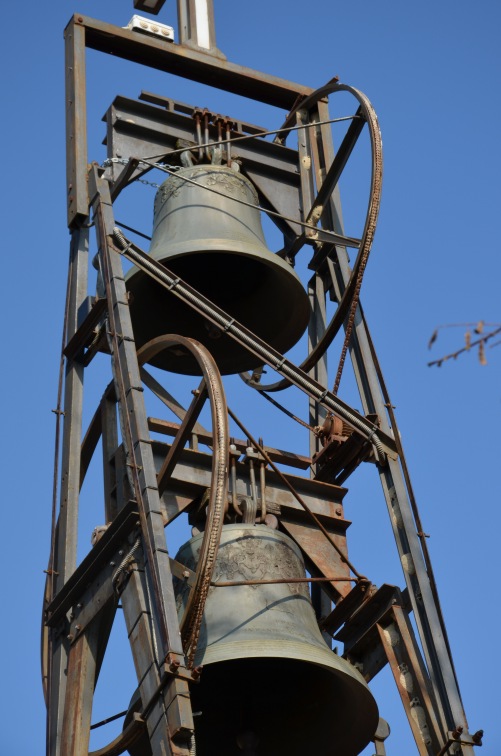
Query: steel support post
{"points": [[316, 295], [167, 709], [113, 498], [316, 326], [196, 25], [84, 660], [153, 670], [76, 127], [67, 525], [426, 609], [411, 679]]}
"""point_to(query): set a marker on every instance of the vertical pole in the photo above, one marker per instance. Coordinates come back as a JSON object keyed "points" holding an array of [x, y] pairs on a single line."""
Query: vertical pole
{"points": [[316, 293], [77, 211], [76, 126], [196, 25], [67, 527], [84, 660], [112, 498]]}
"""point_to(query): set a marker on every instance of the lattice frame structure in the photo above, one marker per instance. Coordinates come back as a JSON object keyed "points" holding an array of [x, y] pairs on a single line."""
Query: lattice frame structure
{"points": [[300, 188]]}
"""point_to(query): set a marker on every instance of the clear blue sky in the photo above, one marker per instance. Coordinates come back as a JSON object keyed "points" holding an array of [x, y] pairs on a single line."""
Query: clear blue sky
{"points": [[432, 71]]}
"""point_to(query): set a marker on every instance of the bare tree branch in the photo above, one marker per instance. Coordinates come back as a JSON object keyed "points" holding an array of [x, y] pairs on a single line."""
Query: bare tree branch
{"points": [[469, 344]]}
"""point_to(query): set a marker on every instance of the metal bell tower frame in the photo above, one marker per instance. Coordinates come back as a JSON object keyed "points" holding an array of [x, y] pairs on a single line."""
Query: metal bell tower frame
{"points": [[81, 601]]}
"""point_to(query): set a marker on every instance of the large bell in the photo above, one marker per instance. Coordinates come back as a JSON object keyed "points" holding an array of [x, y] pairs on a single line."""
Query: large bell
{"points": [[269, 682], [217, 246]]}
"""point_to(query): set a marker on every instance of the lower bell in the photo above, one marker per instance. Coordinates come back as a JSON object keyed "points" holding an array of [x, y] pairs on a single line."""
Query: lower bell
{"points": [[270, 686]]}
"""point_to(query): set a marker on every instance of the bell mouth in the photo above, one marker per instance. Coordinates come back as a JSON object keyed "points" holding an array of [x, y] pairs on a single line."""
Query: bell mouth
{"points": [[261, 292], [291, 707], [275, 707]]}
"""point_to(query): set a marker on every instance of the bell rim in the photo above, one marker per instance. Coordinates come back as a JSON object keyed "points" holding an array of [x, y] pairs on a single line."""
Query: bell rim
{"points": [[225, 247], [280, 649]]}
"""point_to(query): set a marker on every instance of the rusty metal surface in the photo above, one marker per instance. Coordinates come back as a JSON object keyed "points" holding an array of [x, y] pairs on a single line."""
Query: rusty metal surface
{"points": [[76, 132], [192, 477], [206, 437], [211, 387], [81, 674], [134, 424], [189, 64], [90, 568], [324, 557], [139, 129], [142, 633], [412, 684], [397, 489], [65, 537], [185, 429]]}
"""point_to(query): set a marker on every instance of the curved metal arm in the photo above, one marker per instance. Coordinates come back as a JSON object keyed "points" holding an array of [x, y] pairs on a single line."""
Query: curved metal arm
{"points": [[190, 626], [369, 116]]}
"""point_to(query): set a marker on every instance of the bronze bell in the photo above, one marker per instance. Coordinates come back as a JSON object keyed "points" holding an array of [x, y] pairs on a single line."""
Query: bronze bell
{"points": [[270, 686], [217, 246]]}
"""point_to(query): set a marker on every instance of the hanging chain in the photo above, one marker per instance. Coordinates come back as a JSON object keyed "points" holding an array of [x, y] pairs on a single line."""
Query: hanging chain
{"points": [[123, 161]]}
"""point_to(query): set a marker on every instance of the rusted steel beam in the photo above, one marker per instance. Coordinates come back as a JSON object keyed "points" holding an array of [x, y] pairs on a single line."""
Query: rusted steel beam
{"points": [[189, 63], [411, 679], [132, 124], [182, 436], [338, 164], [321, 557], [350, 603], [379, 632], [205, 437], [86, 331], [112, 490], [84, 662], [170, 402], [90, 566], [81, 677], [383, 442], [192, 476], [142, 631], [76, 128], [89, 443], [136, 442], [65, 554]]}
